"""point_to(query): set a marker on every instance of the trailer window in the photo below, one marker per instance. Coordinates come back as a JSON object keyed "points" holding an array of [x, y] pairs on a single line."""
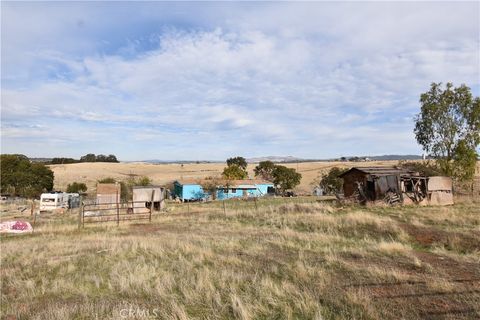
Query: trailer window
{"points": [[48, 200]]}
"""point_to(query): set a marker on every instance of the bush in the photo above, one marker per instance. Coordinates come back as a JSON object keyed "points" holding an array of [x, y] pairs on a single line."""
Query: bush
{"points": [[427, 168], [331, 182], [76, 187]]}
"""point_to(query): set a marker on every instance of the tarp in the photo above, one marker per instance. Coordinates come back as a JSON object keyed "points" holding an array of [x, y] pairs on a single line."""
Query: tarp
{"points": [[15, 227]]}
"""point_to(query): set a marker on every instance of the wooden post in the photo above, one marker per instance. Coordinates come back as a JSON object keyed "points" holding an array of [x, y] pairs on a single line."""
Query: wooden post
{"points": [[33, 207], [224, 208], [82, 209], [256, 206], [34, 221], [80, 213], [118, 209], [151, 206], [188, 207]]}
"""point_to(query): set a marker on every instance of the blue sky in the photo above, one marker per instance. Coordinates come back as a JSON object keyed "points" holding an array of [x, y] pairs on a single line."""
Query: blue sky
{"points": [[193, 80]]}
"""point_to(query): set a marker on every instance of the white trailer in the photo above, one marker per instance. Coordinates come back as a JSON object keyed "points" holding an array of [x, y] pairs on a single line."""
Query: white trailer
{"points": [[54, 200]]}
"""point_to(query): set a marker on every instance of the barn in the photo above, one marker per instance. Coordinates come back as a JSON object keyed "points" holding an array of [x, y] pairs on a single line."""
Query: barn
{"points": [[191, 190]]}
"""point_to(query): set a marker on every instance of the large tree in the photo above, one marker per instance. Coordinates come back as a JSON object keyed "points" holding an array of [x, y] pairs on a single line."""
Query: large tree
{"points": [[21, 177], [264, 170], [236, 169], [285, 178], [239, 161], [448, 128], [234, 172]]}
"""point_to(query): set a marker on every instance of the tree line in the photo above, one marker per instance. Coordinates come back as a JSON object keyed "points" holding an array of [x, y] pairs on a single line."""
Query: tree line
{"points": [[90, 157]]}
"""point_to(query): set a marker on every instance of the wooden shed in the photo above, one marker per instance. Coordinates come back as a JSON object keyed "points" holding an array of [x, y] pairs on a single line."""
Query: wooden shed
{"points": [[373, 182], [144, 196]]}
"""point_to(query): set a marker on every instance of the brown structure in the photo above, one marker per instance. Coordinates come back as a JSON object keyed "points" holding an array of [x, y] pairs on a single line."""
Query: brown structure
{"points": [[393, 185], [108, 193]]}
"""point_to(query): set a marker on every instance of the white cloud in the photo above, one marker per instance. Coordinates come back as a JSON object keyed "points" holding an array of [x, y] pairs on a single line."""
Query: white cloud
{"points": [[310, 79]]}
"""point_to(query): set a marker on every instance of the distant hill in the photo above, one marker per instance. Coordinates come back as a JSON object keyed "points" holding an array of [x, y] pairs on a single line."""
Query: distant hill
{"points": [[396, 157], [275, 159]]}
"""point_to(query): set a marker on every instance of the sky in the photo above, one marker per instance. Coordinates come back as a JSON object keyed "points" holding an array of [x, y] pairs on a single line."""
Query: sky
{"points": [[211, 80]]}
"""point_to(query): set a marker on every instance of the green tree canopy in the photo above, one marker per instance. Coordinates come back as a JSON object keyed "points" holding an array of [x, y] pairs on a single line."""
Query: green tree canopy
{"points": [[21, 177], [234, 172], [331, 182], [285, 178], [239, 161], [264, 170], [448, 128]]}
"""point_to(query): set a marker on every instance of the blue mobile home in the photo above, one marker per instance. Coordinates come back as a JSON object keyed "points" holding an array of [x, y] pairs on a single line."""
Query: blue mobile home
{"points": [[192, 190]]}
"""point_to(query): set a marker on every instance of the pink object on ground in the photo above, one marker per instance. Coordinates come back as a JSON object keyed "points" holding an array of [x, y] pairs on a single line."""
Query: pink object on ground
{"points": [[15, 227]]}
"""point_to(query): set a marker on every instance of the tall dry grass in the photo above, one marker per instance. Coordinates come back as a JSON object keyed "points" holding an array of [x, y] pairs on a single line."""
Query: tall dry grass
{"points": [[283, 260]]}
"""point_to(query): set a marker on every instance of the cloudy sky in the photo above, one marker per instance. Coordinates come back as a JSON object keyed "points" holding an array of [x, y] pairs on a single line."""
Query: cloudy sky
{"points": [[192, 80]]}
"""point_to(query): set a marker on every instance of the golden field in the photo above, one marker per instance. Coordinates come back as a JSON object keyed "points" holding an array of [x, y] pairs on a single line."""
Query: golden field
{"points": [[90, 173]]}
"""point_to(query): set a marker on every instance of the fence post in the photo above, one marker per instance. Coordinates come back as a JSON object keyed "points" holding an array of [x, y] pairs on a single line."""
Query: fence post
{"points": [[151, 206], [224, 208], [83, 214], [256, 207], [118, 210], [80, 213], [34, 220], [188, 207]]}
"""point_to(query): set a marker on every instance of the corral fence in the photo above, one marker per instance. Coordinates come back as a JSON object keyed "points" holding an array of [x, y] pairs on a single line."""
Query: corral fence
{"points": [[115, 212]]}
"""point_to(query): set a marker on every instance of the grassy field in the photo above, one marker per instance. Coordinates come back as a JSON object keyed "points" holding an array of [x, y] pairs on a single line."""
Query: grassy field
{"points": [[286, 259], [90, 173]]}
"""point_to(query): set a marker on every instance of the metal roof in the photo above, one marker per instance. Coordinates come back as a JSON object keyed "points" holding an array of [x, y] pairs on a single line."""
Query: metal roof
{"points": [[378, 171], [221, 182]]}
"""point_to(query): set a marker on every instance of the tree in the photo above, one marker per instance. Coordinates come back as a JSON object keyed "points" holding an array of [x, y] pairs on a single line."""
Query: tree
{"points": [[239, 161], [265, 170], [21, 177], [210, 186], [100, 158], [285, 178], [76, 187], [331, 182], [234, 172], [88, 158], [111, 158], [63, 160], [448, 128]]}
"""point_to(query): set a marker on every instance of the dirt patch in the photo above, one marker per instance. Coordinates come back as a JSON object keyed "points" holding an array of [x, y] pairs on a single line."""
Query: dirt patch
{"points": [[428, 237], [438, 287]]}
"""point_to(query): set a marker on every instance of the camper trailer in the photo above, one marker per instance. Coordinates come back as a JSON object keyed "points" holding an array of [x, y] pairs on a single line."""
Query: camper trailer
{"points": [[57, 200], [53, 200]]}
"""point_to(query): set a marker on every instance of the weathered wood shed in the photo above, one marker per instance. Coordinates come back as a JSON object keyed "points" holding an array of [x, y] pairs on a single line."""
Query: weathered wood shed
{"points": [[374, 182], [394, 185]]}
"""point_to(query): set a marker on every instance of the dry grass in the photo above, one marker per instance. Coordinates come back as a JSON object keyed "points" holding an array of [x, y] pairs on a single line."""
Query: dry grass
{"points": [[298, 260]]}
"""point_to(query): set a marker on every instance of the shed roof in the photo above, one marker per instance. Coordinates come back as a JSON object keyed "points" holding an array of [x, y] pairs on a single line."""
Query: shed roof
{"points": [[378, 171], [231, 183]]}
